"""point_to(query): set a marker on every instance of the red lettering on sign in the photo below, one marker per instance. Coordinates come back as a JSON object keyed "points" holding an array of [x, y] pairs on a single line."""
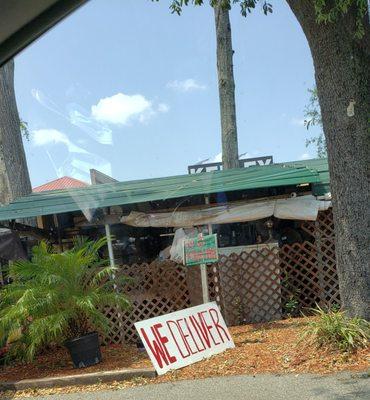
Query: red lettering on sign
{"points": [[216, 319], [209, 327], [184, 336], [174, 338], [158, 348], [163, 340], [192, 336], [202, 328]]}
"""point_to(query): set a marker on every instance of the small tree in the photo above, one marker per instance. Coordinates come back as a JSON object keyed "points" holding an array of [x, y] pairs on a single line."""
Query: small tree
{"points": [[57, 297]]}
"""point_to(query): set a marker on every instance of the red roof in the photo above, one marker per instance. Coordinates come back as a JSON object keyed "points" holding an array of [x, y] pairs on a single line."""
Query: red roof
{"points": [[66, 182]]}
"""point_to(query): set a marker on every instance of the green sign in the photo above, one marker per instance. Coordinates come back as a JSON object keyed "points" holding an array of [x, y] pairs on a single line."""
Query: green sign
{"points": [[201, 250]]}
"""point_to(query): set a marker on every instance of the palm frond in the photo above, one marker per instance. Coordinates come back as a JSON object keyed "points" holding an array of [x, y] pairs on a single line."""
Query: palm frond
{"points": [[56, 295]]}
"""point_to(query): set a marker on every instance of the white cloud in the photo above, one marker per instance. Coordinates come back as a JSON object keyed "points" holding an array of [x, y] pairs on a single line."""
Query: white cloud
{"points": [[121, 108], [43, 137], [297, 121], [305, 156], [163, 108], [186, 85]]}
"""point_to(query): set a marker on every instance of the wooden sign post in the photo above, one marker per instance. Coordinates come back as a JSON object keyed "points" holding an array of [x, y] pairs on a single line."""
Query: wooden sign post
{"points": [[200, 251]]}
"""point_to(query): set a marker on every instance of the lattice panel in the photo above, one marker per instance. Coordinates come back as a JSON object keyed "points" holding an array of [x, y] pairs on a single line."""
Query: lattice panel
{"points": [[153, 289], [309, 269], [299, 274], [250, 285], [323, 227], [195, 284], [323, 233], [214, 285]]}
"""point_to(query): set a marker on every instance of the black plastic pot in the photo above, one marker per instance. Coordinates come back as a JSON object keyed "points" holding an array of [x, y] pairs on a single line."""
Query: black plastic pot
{"points": [[140, 345], [85, 350]]}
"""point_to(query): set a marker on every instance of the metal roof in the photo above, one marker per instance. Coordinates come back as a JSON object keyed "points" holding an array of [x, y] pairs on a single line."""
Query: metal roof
{"points": [[66, 182], [139, 191]]}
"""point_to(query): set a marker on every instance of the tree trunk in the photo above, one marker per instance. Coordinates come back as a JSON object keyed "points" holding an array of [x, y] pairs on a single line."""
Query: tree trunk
{"points": [[226, 87], [14, 177], [342, 71]]}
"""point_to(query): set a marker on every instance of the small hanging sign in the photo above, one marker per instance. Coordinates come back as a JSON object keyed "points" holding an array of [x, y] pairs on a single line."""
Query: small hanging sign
{"points": [[201, 250]]}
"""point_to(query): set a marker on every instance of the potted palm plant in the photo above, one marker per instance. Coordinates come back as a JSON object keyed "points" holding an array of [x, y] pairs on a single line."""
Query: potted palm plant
{"points": [[59, 298]]}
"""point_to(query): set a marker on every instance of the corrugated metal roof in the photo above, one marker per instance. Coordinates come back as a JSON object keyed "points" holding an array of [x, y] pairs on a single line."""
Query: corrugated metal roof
{"points": [[110, 194], [66, 182]]}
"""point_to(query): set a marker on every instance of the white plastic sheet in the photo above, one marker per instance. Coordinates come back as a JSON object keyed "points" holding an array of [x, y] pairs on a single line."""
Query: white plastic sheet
{"points": [[301, 208]]}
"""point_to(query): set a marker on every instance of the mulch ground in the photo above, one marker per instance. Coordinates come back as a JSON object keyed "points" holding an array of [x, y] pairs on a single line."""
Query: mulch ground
{"points": [[260, 348]]}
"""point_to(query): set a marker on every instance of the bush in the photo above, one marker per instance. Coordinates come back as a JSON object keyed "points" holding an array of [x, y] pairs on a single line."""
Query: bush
{"points": [[291, 307], [56, 297], [335, 330]]}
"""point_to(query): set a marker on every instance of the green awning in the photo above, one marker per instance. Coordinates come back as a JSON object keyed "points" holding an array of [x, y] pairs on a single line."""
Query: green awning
{"points": [[139, 191]]}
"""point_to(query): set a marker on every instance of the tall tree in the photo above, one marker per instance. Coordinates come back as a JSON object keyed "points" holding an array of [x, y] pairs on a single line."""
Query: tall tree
{"points": [[340, 47], [226, 82], [226, 87], [338, 33], [14, 177]]}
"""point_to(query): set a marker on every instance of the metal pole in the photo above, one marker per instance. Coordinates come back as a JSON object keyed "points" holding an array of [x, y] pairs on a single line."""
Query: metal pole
{"points": [[109, 243], [204, 280], [115, 287], [203, 268], [210, 230]]}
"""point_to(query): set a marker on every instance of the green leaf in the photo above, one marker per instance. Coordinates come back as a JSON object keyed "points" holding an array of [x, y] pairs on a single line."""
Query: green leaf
{"points": [[56, 296]]}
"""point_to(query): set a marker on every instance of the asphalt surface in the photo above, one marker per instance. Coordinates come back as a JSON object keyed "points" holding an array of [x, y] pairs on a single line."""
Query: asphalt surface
{"points": [[262, 387]]}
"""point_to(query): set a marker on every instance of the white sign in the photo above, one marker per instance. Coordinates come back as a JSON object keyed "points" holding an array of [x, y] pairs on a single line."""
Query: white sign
{"points": [[184, 337]]}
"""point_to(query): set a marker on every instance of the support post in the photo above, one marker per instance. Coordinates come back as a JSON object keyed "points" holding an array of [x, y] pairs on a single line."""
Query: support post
{"points": [[115, 287], [320, 264], [57, 225], [109, 243], [204, 280], [203, 267]]}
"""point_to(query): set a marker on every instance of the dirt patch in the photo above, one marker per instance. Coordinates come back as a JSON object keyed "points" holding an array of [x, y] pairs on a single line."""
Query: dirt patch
{"points": [[272, 348], [260, 348], [57, 362]]}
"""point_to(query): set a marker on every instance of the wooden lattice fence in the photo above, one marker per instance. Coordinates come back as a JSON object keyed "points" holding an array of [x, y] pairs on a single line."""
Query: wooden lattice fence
{"points": [[157, 289], [270, 282], [308, 269], [195, 285], [153, 289], [250, 284], [256, 286]]}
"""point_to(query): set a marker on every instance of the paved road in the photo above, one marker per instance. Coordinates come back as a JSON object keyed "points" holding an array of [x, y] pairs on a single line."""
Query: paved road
{"points": [[262, 387]]}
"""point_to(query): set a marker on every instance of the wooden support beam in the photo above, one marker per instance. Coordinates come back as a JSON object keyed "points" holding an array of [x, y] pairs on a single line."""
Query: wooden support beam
{"points": [[37, 233]]}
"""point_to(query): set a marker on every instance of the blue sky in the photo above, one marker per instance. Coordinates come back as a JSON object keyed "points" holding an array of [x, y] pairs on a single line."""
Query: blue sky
{"points": [[128, 88]]}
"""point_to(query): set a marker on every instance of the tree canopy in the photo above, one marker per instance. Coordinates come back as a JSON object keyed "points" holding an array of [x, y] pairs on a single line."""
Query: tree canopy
{"points": [[327, 11]]}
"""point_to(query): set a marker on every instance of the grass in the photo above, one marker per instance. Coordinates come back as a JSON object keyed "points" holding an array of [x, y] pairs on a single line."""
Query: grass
{"points": [[334, 330]]}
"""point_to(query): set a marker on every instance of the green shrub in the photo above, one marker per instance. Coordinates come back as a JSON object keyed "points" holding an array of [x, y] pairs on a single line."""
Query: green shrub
{"points": [[291, 307], [335, 330], [56, 297]]}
